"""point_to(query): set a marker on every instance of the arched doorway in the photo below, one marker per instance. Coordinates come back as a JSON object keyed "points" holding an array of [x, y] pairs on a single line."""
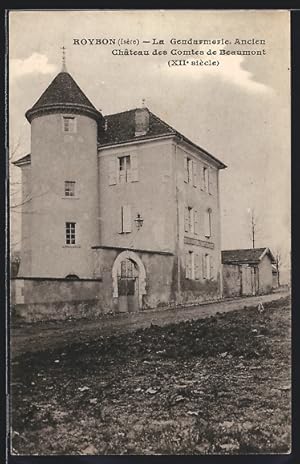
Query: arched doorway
{"points": [[129, 281]]}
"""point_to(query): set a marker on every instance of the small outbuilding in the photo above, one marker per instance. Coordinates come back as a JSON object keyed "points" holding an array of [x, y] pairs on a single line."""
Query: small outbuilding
{"points": [[247, 272]]}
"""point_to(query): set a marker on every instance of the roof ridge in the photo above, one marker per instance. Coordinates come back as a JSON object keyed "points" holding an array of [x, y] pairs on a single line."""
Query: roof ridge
{"points": [[246, 249], [123, 112]]}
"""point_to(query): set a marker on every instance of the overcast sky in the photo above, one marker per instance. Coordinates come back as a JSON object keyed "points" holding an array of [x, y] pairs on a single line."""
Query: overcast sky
{"points": [[238, 111]]}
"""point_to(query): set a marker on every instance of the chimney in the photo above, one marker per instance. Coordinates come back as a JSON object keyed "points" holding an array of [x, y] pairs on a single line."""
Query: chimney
{"points": [[141, 121]]}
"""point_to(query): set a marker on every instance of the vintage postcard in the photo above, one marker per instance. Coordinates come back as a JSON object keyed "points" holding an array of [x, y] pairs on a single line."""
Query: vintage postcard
{"points": [[149, 173]]}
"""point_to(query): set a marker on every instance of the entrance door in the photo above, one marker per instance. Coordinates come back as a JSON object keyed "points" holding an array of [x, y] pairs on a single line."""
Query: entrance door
{"points": [[128, 283], [248, 287]]}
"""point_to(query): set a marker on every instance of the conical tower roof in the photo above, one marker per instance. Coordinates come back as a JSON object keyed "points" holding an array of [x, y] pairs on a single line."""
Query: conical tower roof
{"points": [[63, 95]]}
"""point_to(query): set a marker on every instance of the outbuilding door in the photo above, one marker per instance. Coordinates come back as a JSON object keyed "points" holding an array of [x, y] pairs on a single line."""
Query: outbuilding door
{"points": [[128, 286], [248, 281]]}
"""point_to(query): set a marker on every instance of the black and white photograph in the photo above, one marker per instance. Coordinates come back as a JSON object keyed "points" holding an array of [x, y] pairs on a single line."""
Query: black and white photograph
{"points": [[150, 232]]}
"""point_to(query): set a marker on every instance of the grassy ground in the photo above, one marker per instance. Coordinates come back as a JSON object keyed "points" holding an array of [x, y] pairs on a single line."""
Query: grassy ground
{"points": [[212, 386]]}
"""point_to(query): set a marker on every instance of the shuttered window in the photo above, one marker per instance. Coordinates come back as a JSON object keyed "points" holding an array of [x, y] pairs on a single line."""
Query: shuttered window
{"points": [[186, 219], [196, 222], [189, 170], [195, 174], [123, 169], [186, 172], [191, 220], [207, 266], [190, 265], [197, 266]]}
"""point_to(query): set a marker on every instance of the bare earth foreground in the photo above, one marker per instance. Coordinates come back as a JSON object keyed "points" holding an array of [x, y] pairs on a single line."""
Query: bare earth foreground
{"points": [[215, 385]]}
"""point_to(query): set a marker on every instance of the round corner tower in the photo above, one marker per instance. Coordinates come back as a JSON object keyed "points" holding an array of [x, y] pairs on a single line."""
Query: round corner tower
{"points": [[63, 222]]}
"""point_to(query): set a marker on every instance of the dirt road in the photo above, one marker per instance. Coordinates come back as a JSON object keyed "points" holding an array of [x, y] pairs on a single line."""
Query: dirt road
{"points": [[44, 335]]}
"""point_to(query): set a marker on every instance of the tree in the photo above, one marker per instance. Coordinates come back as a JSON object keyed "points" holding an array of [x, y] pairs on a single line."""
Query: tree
{"points": [[278, 262], [253, 226]]}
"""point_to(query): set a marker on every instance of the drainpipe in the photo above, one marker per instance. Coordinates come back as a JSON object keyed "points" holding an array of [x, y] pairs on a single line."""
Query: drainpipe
{"points": [[177, 221], [220, 228]]}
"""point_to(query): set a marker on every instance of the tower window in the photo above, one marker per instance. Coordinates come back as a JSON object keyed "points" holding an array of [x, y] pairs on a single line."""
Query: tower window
{"points": [[69, 188], [69, 124], [70, 233]]}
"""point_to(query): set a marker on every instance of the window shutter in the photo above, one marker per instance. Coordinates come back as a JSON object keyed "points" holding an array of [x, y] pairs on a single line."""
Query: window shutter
{"points": [[187, 265], [134, 175], [207, 224], [207, 270], [209, 180], [196, 222], [200, 176], [121, 220], [192, 220], [112, 174], [203, 267], [186, 174], [205, 177], [186, 219], [211, 267], [195, 174], [197, 266], [127, 218]]}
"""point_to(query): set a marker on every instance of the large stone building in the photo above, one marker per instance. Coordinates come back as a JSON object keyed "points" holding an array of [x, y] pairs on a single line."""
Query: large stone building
{"points": [[123, 209]]}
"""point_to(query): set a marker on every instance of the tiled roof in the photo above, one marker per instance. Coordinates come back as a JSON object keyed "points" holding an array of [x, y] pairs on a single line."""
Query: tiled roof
{"points": [[120, 128], [64, 94], [63, 90], [250, 255]]}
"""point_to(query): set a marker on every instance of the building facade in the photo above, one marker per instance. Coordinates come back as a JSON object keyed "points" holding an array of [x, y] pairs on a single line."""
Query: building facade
{"points": [[124, 201]]}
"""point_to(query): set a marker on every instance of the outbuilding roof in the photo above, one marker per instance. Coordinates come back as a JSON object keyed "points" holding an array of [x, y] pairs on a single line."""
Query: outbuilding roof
{"points": [[244, 256]]}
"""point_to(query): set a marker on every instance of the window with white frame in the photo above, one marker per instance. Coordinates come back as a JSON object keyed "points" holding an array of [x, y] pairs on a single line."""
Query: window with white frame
{"points": [[70, 233], [69, 124], [207, 223], [69, 188], [126, 220]]}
